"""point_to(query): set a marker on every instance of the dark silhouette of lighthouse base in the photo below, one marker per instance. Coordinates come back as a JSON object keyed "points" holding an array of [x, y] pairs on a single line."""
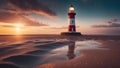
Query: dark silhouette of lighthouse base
{"points": [[71, 34], [71, 27]]}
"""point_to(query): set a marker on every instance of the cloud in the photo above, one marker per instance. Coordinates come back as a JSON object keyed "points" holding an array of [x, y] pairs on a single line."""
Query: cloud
{"points": [[7, 26], [112, 27], [14, 11], [29, 6], [112, 23], [31, 22], [2, 3], [7, 17]]}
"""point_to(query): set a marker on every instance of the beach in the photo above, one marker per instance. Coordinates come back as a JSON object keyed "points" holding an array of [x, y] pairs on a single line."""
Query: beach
{"points": [[54, 51]]}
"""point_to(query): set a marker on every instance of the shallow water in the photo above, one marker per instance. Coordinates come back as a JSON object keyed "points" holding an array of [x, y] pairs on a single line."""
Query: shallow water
{"points": [[29, 52]]}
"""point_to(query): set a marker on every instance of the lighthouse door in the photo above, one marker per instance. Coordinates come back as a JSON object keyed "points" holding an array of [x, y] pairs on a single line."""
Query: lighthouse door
{"points": [[72, 29]]}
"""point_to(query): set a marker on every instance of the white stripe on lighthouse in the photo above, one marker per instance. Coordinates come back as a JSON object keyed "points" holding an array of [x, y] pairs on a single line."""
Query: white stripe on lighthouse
{"points": [[71, 21]]}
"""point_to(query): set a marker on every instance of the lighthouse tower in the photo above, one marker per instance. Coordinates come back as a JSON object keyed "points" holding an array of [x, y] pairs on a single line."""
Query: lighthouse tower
{"points": [[71, 19]]}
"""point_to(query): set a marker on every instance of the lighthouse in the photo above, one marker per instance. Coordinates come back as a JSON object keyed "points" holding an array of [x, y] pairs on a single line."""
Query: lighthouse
{"points": [[71, 23], [71, 19]]}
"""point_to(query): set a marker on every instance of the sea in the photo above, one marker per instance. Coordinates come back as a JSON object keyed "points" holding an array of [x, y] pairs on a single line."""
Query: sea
{"points": [[33, 51]]}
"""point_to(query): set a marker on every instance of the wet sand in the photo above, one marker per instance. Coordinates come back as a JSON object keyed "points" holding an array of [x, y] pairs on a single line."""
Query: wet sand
{"points": [[108, 57], [72, 52]]}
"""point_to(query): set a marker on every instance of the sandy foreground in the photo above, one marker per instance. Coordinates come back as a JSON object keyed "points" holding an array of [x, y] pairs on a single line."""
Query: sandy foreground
{"points": [[62, 53], [100, 58]]}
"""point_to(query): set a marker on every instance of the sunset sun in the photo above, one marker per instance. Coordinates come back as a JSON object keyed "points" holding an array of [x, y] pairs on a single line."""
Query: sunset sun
{"points": [[18, 27]]}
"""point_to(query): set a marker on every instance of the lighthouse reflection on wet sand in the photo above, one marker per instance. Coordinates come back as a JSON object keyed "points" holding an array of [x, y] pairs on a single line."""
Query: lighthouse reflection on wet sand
{"points": [[71, 19]]}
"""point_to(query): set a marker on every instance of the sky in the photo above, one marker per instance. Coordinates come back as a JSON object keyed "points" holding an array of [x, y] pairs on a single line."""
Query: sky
{"points": [[50, 16]]}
